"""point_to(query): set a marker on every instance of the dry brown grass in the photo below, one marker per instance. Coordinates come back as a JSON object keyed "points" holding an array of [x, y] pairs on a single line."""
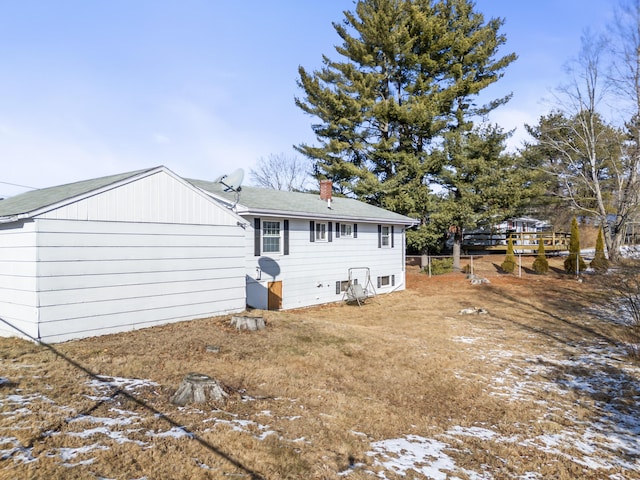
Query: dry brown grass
{"points": [[328, 381]]}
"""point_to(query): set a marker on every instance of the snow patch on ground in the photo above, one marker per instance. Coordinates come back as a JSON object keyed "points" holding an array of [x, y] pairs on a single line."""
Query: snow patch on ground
{"points": [[599, 374]]}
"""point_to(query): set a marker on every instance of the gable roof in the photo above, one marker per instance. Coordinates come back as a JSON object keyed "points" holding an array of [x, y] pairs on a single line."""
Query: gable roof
{"points": [[264, 201], [28, 203], [251, 201]]}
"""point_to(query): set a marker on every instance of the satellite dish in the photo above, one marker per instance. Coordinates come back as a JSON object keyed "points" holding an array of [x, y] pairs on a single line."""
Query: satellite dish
{"points": [[231, 182]]}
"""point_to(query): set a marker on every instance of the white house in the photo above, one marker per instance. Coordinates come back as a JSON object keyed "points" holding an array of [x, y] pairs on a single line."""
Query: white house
{"points": [[300, 248], [117, 253], [149, 247], [522, 225]]}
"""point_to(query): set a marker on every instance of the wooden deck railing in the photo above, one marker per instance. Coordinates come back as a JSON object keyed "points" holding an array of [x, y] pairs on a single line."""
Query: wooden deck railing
{"points": [[523, 242]]}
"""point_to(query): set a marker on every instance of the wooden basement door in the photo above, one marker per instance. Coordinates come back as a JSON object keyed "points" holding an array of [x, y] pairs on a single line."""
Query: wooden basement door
{"points": [[274, 301]]}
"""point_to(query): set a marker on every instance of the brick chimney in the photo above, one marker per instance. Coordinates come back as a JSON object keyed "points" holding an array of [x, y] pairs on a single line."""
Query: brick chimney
{"points": [[326, 188]]}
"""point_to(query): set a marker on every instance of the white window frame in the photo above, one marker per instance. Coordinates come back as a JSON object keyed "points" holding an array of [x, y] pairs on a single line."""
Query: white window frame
{"points": [[385, 238], [265, 235], [343, 230], [384, 281], [322, 232]]}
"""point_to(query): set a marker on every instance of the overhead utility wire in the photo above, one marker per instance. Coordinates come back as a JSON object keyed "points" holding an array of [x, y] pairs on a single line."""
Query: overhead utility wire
{"points": [[18, 185]]}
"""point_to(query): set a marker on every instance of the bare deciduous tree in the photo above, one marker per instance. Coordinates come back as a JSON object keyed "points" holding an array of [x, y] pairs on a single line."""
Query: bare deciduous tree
{"points": [[595, 161], [624, 79], [281, 172]]}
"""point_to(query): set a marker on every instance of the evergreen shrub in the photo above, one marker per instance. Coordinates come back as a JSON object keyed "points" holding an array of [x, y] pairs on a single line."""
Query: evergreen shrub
{"points": [[509, 264], [541, 264], [440, 266], [600, 263], [574, 263]]}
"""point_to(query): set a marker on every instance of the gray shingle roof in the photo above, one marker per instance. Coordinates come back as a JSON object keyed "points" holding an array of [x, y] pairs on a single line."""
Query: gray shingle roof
{"points": [[32, 201], [261, 201], [252, 200]]}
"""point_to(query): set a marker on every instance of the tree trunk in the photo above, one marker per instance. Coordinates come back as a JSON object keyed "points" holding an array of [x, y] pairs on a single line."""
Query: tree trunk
{"points": [[198, 388], [247, 323], [617, 238], [457, 246]]}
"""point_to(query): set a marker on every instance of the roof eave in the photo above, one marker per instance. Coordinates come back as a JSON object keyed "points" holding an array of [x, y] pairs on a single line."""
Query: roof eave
{"points": [[328, 216], [15, 218]]}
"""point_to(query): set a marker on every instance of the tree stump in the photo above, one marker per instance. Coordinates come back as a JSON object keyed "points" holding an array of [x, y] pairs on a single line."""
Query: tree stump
{"points": [[198, 388], [247, 323]]}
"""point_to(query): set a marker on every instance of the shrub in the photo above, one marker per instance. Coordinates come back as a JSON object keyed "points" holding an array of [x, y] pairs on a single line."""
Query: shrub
{"points": [[541, 264], [574, 263], [440, 266], [624, 286], [509, 264], [599, 263]]}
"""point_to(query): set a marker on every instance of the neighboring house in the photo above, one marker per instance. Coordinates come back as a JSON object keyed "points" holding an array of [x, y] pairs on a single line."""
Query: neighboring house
{"points": [[523, 224], [114, 254], [525, 232], [300, 247]]}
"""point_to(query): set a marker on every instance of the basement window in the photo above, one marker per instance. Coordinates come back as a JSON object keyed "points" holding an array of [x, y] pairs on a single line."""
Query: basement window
{"points": [[386, 281], [341, 286]]}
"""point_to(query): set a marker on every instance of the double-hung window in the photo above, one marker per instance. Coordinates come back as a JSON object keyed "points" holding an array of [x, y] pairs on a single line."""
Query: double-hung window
{"points": [[271, 237], [321, 232], [346, 230], [385, 236]]}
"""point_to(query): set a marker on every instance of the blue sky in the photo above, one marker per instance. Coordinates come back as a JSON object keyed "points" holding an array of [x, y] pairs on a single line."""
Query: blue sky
{"points": [[93, 88]]}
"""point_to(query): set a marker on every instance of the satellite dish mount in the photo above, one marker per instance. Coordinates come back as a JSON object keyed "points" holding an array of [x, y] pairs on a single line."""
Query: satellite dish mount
{"points": [[232, 183]]}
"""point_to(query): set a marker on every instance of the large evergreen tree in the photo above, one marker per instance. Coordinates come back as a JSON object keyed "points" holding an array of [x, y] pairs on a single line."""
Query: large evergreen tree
{"points": [[410, 74], [480, 184]]}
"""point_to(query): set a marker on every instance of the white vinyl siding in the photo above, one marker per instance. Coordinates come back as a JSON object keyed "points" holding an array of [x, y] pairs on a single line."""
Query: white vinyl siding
{"points": [[100, 277], [309, 274], [158, 198], [18, 280], [151, 251]]}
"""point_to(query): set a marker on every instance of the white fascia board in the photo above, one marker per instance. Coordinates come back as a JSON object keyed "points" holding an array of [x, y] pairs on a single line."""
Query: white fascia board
{"points": [[303, 216], [243, 210], [14, 218]]}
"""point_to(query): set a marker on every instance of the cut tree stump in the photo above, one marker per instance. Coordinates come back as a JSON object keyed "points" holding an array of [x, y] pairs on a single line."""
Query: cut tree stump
{"points": [[198, 388], [247, 323]]}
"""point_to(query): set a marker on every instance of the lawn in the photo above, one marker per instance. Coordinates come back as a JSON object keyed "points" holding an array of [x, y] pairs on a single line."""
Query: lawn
{"points": [[540, 386]]}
